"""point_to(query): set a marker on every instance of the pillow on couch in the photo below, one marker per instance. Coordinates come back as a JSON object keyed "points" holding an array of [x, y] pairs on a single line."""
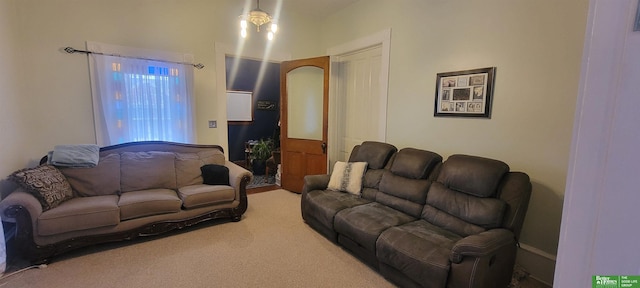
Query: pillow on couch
{"points": [[213, 174], [46, 183], [347, 177]]}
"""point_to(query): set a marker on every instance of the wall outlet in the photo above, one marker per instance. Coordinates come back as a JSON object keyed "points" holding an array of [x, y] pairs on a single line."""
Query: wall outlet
{"points": [[213, 124]]}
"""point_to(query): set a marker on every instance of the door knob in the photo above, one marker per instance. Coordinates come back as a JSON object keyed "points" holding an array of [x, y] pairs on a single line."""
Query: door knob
{"points": [[324, 148]]}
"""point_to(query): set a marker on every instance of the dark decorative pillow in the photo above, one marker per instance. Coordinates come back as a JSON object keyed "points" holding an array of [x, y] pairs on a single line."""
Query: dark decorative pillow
{"points": [[213, 174], [46, 183]]}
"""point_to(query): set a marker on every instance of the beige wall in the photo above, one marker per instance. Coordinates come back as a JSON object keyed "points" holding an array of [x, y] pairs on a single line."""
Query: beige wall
{"points": [[57, 94], [13, 109], [536, 47]]}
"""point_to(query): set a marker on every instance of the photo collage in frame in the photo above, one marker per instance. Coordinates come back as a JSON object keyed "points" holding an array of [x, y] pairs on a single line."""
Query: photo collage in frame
{"points": [[464, 93]]}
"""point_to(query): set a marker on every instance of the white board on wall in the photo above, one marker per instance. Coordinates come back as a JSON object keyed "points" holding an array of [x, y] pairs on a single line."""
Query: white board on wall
{"points": [[239, 106]]}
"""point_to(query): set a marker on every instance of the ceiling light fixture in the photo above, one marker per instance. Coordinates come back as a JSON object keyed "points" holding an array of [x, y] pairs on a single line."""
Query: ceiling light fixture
{"points": [[258, 18]]}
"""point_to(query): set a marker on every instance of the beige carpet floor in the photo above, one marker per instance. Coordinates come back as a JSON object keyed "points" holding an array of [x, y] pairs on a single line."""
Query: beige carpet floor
{"points": [[270, 247]]}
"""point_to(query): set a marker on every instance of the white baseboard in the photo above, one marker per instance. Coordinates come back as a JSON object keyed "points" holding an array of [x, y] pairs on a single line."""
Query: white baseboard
{"points": [[539, 264]]}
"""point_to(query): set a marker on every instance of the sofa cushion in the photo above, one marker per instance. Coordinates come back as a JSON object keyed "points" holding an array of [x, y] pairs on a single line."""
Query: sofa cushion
{"points": [[404, 194], [461, 213], [142, 203], [212, 157], [188, 169], [473, 175], [419, 250], [194, 196], [372, 178], [323, 205], [80, 213], [214, 174], [103, 179], [364, 223], [147, 170], [377, 154], [414, 163], [188, 166], [46, 183], [347, 177]]}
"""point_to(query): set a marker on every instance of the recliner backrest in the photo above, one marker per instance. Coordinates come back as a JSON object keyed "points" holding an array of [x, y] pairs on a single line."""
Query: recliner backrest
{"points": [[464, 198], [405, 184], [378, 155]]}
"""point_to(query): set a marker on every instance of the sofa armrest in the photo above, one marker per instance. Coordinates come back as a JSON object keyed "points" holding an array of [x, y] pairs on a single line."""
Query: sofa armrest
{"points": [[19, 198], [482, 244], [236, 174], [315, 182]]}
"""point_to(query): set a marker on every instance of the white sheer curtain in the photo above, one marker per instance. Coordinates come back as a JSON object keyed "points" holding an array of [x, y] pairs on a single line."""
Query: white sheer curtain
{"points": [[141, 100]]}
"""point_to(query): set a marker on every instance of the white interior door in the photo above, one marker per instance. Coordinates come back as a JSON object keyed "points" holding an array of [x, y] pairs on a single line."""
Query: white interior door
{"points": [[358, 99]]}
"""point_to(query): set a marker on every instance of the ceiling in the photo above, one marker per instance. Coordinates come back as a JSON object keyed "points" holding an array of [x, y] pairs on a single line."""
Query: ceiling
{"points": [[318, 8]]}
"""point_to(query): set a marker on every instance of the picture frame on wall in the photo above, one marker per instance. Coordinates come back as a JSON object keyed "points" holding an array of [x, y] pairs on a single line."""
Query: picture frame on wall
{"points": [[465, 93]]}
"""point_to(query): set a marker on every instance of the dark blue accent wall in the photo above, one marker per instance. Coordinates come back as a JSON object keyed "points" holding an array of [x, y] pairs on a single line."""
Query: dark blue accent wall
{"points": [[264, 122]]}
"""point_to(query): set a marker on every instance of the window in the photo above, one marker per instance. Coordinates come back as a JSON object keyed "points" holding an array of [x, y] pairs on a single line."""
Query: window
{"points": [[141, 100]]}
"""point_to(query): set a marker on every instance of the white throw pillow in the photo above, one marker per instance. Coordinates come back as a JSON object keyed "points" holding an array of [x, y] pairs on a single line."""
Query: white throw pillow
{"points": [[347, 177]]}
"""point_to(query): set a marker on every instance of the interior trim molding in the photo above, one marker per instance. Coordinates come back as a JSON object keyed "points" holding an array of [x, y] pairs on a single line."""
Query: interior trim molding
{"points": [[539, 264]]}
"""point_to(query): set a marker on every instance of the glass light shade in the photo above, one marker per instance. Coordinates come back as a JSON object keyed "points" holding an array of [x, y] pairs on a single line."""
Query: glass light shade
{"points": [[243, 24], [270, 35], [274, 27], [243, 33]]}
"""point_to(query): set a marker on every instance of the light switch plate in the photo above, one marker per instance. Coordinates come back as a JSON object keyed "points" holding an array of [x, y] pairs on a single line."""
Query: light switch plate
{"points": [[213, 124]]}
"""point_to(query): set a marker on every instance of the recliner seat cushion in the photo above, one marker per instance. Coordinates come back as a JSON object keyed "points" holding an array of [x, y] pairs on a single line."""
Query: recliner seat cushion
{"points": [[323, 205], [203, 195], [80, 213], [150, 202], [419, 250], [363, 224]]}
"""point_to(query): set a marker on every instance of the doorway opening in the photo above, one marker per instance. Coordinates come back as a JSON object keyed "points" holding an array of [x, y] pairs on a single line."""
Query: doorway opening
{"points": [[262, 80]]}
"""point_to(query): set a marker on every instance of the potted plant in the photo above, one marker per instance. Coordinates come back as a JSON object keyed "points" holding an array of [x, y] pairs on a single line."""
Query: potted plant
{"points": [[260, 152]]}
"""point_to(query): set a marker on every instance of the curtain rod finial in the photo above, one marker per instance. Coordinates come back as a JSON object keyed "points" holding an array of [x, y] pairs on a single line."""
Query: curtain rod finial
{"points": [[69, 50]]}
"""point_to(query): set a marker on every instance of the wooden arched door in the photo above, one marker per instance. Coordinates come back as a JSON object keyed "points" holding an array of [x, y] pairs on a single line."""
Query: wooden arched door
{"points": [[304, 97]]}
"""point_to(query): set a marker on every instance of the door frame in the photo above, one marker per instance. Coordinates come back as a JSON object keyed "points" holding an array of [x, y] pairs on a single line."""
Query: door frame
{"points": [[382, 38], [222, 50]]}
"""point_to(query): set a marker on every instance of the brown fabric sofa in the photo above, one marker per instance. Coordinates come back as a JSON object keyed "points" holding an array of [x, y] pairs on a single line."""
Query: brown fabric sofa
{"points": [[137, 189], [422, 222]]}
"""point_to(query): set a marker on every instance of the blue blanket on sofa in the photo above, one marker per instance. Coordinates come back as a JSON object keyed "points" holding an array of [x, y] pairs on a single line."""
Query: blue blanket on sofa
{"points": [[81, 155]]}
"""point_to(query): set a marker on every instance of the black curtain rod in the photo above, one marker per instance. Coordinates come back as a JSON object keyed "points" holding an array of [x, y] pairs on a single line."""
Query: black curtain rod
{"points": [[71, 50]]}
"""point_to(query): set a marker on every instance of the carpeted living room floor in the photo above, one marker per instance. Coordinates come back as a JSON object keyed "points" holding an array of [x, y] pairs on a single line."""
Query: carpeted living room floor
{"points": [[270, 247]]}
